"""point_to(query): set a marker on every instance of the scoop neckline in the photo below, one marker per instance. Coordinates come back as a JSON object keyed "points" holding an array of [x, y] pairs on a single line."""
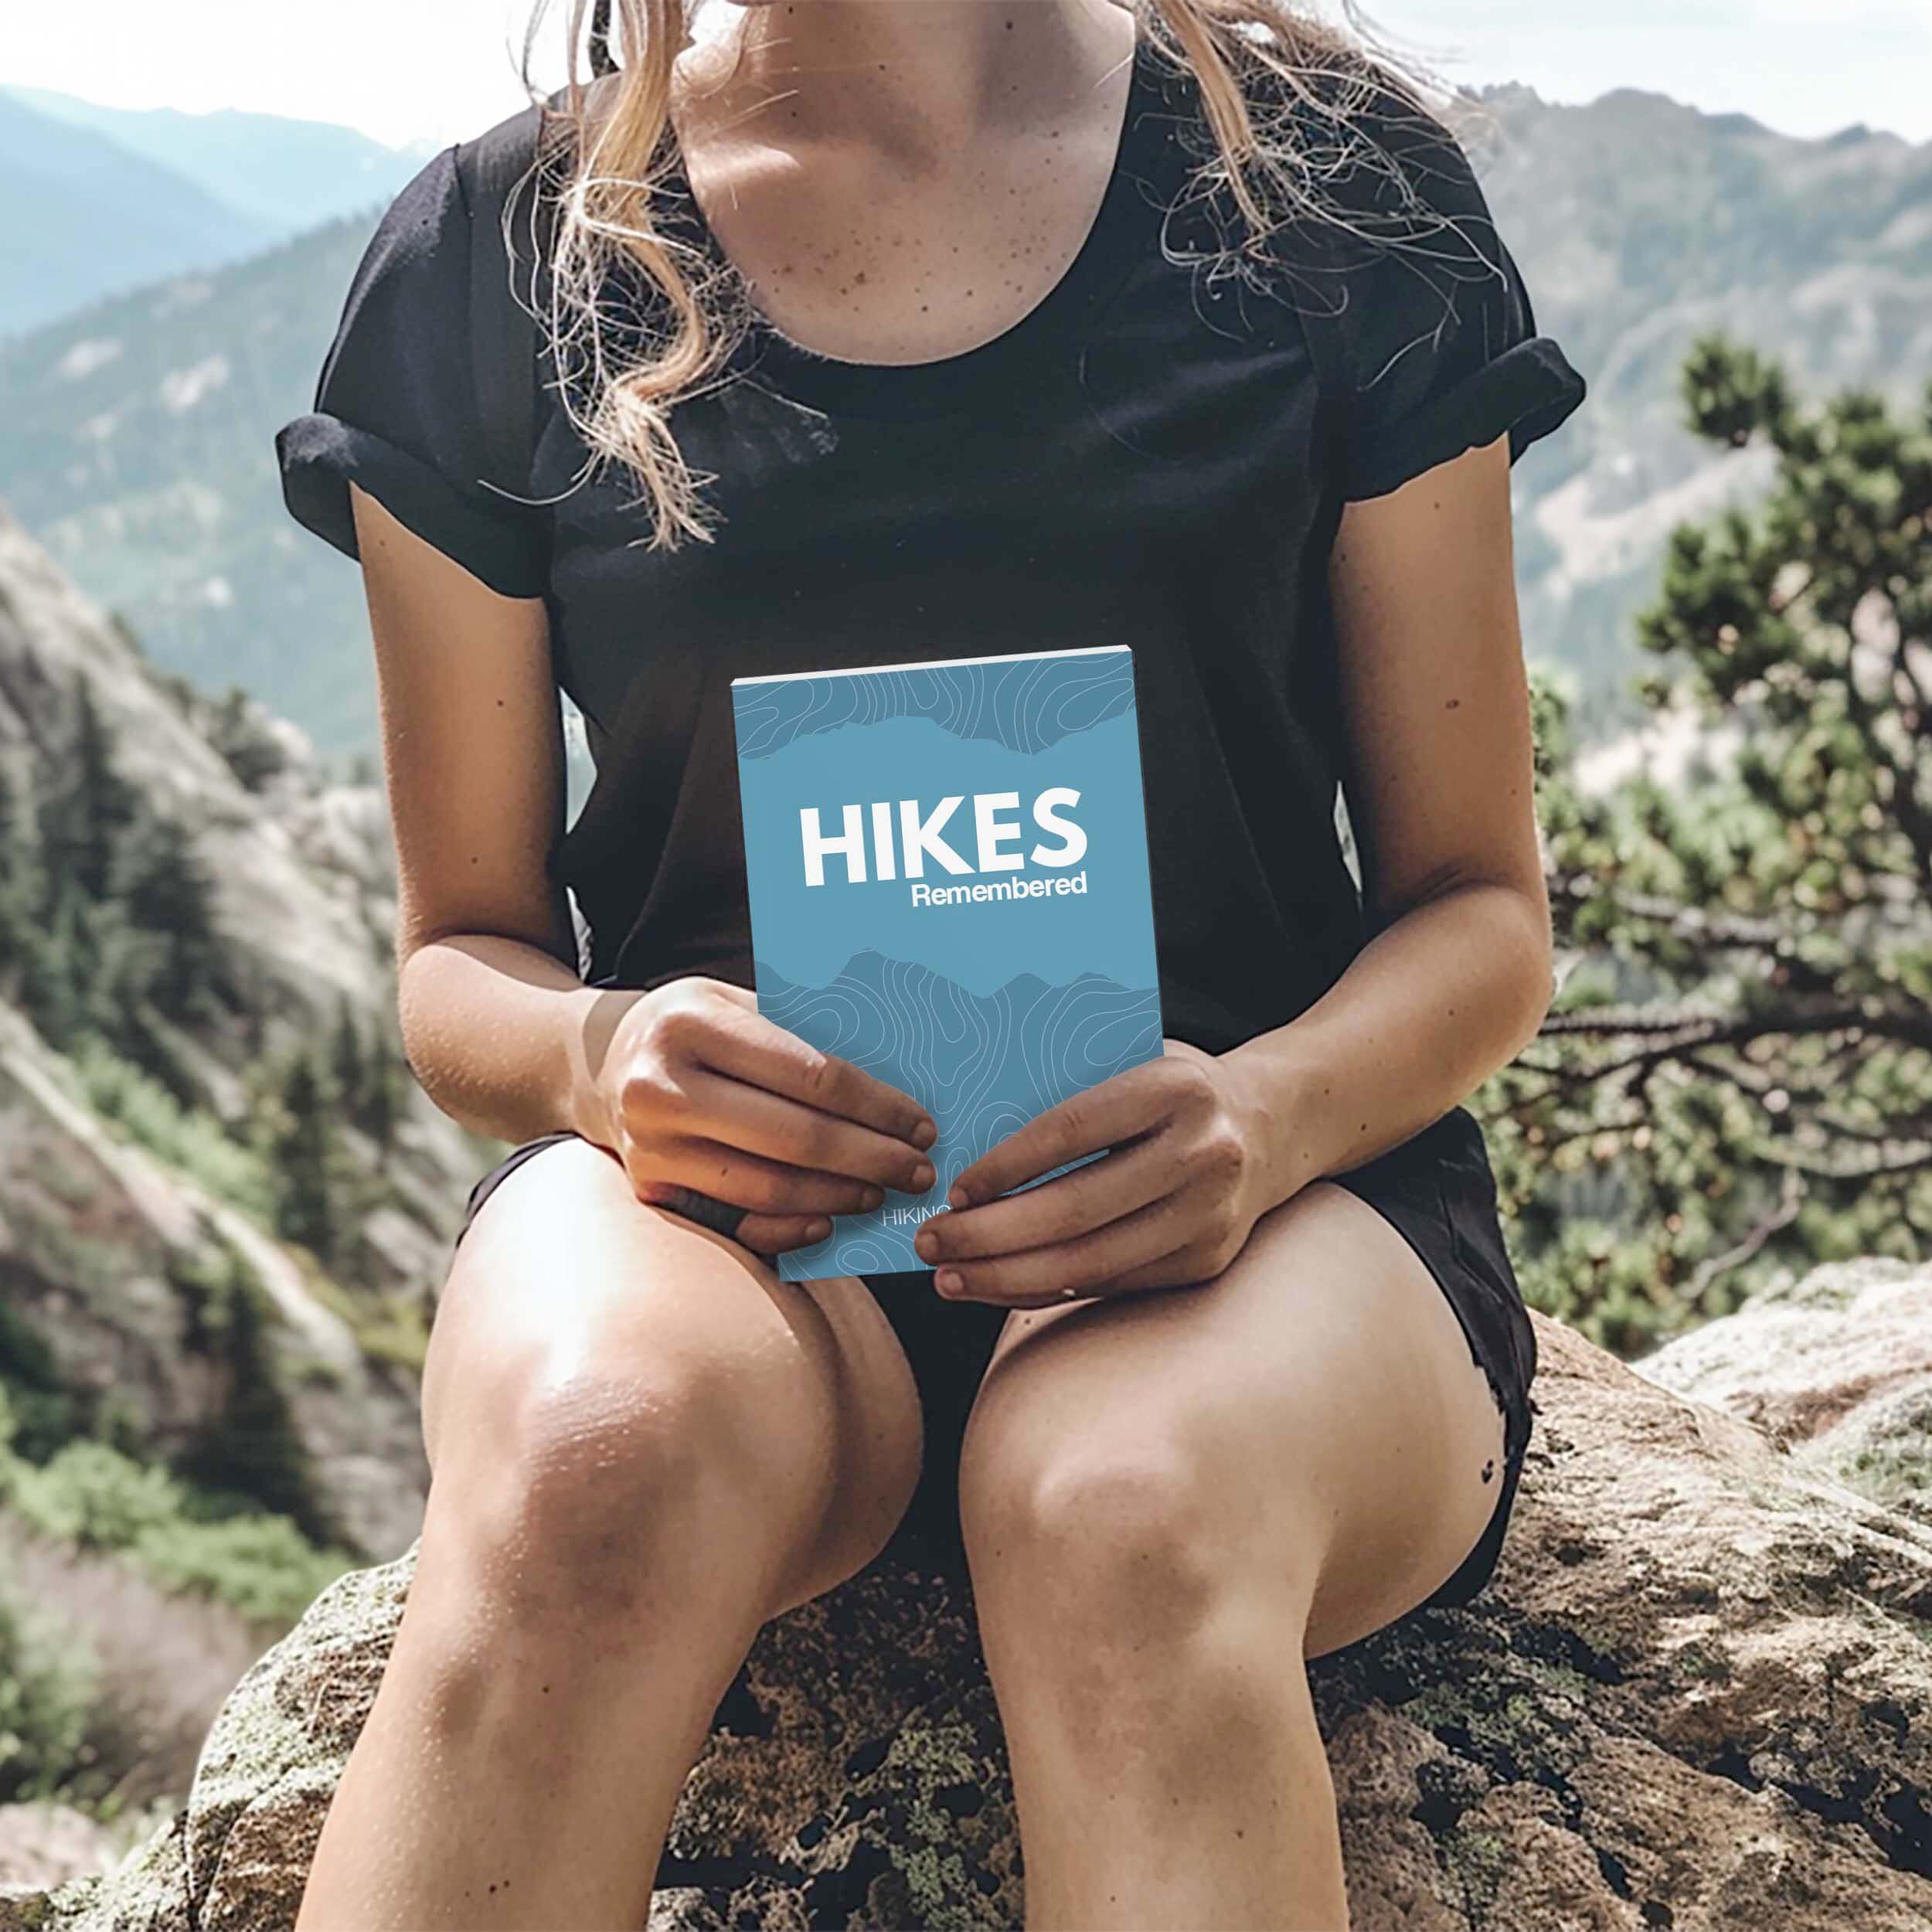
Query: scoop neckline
{"points": [[945, 384]]}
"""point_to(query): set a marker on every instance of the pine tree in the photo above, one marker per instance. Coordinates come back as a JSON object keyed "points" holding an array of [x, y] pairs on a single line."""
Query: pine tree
{"points": [[167, 897], [386, 1094], [14, 874], [59, 967], [12, 831], [346, 1059], [88, 807], [1739, 1076], [304, 1155], [249, 1446]]}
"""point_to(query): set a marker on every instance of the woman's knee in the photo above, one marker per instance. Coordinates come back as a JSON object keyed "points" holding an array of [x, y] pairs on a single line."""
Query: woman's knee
{"points": [[580, 1492], [630, 1404], [1123, 1537]]}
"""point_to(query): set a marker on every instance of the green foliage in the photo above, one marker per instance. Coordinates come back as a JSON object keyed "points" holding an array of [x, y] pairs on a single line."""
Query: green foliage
{"points": [[250, 1446], [261, 1566], [56, 973], [191, 1139], [107, 911], [398, 1335], [61, 1245], [371, 1076], [346, 1059], [290, 1171], [110, 944], [47, 1692], [298, 1129], [237, 1520], [17, 889], [167, 898], [37, 1412], [186, 1540], [302, 1101], [1737, 1079], [88, 806], [94, 1497]]}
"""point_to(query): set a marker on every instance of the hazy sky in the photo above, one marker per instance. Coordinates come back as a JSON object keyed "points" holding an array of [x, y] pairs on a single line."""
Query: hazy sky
{"points": [[439, 69]]}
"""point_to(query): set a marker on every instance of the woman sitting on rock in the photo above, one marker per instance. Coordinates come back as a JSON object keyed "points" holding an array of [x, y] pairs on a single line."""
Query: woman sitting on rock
{"points": [[878, 331]]}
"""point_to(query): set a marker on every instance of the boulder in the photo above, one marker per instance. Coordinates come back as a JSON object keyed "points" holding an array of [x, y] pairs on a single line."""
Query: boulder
{"points": [[1698, 1694], [1835, 1368]]}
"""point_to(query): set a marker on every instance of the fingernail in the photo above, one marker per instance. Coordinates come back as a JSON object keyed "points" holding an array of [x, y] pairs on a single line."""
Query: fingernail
{"points": [[956, 1196], [925, 1134], [818, 1230], [948, 1281], [924, 1176], [873, 1196]]}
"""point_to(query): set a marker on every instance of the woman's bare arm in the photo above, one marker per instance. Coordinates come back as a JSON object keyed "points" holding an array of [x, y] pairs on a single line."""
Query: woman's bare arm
{"points": [[1457, 976], [1454, 981], [496, 1024], [688, 1084]]}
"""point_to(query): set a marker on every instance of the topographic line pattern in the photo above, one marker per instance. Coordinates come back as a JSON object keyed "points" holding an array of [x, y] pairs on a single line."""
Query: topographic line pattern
{"points": [[983, 1065], [1025, 706]]}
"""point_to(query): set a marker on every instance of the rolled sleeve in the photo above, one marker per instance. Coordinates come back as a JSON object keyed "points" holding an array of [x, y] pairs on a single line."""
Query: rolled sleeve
{"points": [[1434, 332], [395, 409], [1497, 375]]}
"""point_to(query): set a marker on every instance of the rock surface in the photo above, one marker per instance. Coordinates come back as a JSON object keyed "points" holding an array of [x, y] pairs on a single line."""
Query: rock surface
{"points": [[91, 1226], [1835, 1368], [1698, 1694], [91, 1220], [304, 884], [303, 868]]}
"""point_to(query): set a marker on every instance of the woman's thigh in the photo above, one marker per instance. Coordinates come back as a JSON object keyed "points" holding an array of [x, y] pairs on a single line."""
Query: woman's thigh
{"points": [[1310, 1420], [570, 1297]]}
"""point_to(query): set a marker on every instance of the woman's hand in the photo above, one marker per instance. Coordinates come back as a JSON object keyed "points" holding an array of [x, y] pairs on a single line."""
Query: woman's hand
{"points": [[1172, 1203], [704, 1095]]}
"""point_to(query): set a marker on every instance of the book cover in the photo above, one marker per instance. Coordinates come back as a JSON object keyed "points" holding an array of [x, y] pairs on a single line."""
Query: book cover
{"points": [[947, 870]]}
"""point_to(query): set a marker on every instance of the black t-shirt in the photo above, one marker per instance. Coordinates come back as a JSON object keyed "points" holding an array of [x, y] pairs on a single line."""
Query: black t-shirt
{"points": [[1150, 457]]}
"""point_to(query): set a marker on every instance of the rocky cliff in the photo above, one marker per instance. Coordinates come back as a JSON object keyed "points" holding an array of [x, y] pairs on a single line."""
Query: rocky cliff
{"points": [[1697, 1695], [101, 1221]]}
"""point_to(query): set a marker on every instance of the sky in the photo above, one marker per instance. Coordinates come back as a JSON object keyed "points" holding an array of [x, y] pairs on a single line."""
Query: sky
{"points": [[438, 70]]}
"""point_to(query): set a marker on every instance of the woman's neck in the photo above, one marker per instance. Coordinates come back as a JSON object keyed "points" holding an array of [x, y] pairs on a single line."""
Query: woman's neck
{"points": [[917, 80]]}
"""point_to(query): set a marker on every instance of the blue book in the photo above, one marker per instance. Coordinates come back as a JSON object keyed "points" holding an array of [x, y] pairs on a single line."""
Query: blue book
{"points": [[947, 870]]}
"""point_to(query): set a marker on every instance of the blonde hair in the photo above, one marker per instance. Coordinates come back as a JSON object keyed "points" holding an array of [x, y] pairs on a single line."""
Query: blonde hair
{"points": [[1256, 63]]}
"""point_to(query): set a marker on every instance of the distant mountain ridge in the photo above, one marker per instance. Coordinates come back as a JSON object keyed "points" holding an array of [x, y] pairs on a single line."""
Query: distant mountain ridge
{"points": [[81, 215], [139, 451], [291, 174], [97, 201]]}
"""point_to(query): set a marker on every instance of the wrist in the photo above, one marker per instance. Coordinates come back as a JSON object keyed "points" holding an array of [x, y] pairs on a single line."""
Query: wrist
{"points": [[1274, 1094], [595, 1068]]}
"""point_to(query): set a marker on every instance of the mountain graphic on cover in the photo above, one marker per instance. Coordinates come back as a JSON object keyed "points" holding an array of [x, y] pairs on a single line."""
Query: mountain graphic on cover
{"points": [[947, 870]]}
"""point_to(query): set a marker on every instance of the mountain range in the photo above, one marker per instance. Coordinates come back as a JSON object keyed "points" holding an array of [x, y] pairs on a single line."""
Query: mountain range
{"points": [[140, 427], [96, 201]]}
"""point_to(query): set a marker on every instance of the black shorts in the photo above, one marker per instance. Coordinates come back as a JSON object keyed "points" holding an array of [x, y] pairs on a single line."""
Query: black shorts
{"points": [[1435, 1188]]}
